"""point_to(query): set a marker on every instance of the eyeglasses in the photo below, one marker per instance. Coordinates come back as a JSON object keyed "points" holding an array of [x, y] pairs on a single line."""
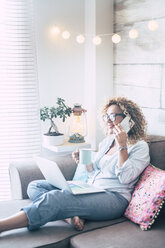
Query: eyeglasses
{"points": [[112, 117]]}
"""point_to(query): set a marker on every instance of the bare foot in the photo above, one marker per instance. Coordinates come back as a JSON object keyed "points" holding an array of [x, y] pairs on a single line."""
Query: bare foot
{"points": [[76, 222]]}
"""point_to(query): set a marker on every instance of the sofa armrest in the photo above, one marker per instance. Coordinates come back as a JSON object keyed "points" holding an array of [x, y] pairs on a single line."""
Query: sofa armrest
{"points": [[23, 172]]}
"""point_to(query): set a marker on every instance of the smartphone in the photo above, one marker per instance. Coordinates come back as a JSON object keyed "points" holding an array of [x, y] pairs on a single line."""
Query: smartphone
{"points": [[127, 123]]}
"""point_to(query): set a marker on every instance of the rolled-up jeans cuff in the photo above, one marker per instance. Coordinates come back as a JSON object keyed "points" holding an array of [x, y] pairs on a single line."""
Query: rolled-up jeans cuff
{"points": [[34, 221]]}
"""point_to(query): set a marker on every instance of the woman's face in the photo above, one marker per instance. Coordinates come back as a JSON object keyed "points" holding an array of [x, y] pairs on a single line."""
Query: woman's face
{"points": [[114, 109]]}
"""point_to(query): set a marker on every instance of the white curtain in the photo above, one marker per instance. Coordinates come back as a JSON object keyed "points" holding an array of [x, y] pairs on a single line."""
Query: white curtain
{"points": [[19, 100]]}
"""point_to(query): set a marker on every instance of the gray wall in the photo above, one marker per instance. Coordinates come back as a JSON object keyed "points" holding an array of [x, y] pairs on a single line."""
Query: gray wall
{"points": [[139, 65]]}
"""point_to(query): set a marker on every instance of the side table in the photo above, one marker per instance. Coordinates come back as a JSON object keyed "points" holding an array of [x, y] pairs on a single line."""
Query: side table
{"points": [[65, 149]]}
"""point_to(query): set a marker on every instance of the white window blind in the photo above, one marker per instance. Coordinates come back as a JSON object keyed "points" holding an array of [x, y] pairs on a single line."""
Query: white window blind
{"points": [[19, 104]]}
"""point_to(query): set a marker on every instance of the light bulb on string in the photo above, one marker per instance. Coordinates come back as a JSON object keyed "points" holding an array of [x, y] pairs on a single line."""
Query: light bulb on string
{"points": [[133, 34], [97, 40], [80, 39], [116, 38], [55, 30], [65, 35], [153, 25]]}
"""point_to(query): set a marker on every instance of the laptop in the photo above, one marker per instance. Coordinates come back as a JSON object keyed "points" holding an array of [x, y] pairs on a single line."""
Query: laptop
{"points": [[54, 176]]}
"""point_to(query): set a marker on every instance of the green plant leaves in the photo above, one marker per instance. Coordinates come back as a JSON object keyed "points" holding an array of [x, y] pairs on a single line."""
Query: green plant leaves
{"points": [[61, 110]]}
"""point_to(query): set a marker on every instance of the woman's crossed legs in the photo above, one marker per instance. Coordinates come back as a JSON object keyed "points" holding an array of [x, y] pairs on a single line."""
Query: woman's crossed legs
{"points": [[50, 204]]}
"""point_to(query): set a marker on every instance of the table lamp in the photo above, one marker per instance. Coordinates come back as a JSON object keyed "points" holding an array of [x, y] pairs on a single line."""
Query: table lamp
{"points": [[78, 124]]}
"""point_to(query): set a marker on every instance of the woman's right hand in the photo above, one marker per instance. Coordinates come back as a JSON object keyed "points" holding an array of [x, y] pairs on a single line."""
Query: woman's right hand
{"points": [[75, 156]]}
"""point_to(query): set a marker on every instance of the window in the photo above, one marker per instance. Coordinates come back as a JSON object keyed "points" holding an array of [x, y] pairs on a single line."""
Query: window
{"points": [[19, 101]]}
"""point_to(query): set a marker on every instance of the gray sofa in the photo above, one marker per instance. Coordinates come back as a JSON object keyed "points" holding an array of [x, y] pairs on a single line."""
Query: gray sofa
{"points": [[118, 233]]}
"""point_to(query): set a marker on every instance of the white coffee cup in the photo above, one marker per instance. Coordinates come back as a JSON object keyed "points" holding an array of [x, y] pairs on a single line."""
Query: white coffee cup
{"points": [[85, 156]]}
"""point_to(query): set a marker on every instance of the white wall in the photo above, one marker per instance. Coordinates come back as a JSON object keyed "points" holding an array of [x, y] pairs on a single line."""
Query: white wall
{"points": [[60, 62], [98, 64], [104, 58], [77, 73]]}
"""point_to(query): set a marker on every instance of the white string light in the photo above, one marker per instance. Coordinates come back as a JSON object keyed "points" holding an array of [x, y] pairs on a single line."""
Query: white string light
{"points": [[65, 35], [153, 25], [55, 30], [133, 34], [97, 40], [80, 39], [116, 38]]}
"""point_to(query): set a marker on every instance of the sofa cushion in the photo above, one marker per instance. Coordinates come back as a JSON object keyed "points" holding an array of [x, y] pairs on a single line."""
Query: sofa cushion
{"points": [[123, 235], [147, 198], [157, 150], [53, 234]]}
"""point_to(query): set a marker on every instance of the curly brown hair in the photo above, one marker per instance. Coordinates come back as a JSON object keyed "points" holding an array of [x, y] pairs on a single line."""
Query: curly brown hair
{"points": [[131, 109]]}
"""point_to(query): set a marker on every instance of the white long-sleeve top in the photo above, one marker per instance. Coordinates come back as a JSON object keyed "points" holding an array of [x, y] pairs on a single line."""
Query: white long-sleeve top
{"points": [[108, 175]]}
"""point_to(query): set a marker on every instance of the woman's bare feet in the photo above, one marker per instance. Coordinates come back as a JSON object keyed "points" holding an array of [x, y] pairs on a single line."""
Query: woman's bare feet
{"points": [[76, 222]]}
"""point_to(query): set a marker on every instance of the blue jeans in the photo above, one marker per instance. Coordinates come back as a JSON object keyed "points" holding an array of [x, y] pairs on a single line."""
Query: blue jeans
{"points": [[50, 204]]}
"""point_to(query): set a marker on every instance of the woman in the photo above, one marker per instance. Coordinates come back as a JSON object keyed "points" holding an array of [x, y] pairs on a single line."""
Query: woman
{"points": [[118, 164]]}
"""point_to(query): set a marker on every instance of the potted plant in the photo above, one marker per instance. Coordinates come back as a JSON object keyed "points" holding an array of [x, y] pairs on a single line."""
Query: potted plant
{"points": [[53, 136]]}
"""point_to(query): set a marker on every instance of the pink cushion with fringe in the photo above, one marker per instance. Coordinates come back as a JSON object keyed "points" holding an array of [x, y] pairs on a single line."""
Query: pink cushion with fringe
{"points": [[147, 198]]}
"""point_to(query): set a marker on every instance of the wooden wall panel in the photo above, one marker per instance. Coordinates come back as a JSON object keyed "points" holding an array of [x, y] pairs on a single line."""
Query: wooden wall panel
{"points": [[146, 75], [148, 47], [139, 64], [145, 97], [156, 119], [131, 11]]}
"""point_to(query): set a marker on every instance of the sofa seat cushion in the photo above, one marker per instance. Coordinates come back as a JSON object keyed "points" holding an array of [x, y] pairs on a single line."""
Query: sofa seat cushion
{"points": [[123, 235], [53, 234]]}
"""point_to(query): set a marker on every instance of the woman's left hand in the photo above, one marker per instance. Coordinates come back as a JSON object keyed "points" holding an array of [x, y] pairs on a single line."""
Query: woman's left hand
{"points": [[120, 135]]}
